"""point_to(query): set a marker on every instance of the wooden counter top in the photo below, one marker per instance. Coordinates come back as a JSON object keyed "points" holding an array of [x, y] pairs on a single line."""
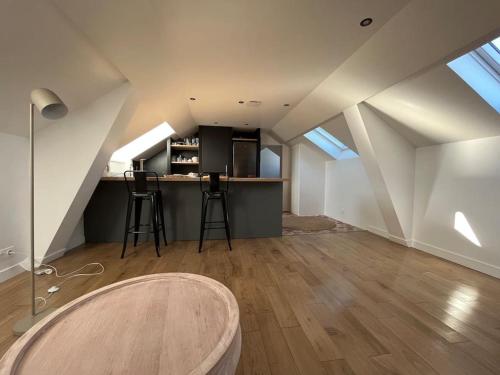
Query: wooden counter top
{"points": [[196, 179]]}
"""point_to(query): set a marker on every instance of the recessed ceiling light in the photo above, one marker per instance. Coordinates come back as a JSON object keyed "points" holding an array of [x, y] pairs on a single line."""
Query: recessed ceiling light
{"points": [[286, 105], [192, 98], [216, 122], [241, 102], [246, 124], [366, 22]]}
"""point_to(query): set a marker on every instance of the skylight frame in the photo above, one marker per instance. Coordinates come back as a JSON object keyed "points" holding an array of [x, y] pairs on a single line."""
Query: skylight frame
{"points": [[143, 143], [480, 69], [331, 138], [488, 56], [330, 144]]}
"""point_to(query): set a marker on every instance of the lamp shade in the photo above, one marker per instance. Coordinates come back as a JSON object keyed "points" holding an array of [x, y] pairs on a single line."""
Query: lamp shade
{"points": [[48, 103]]}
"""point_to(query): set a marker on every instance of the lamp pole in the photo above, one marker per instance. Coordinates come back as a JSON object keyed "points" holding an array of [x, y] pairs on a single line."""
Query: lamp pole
{"points": [[32, 207], [50, 107]]}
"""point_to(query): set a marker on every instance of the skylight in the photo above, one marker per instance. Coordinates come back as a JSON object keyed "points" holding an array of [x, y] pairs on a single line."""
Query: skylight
{"points": [[143, 143], [331, 145], [480, 69]]}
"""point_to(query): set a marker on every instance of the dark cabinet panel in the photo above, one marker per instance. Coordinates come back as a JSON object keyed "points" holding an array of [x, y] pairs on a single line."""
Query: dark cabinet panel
{"points": [[216, 149]]}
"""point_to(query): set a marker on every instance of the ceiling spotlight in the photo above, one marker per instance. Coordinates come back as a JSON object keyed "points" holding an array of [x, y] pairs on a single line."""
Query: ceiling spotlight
{"points": [[241, 102], [246, 124], [216, 122], [286, 105], [366, 22], [192, 98]]}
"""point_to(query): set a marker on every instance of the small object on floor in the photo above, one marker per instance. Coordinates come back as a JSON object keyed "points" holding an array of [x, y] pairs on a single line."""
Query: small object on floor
{"points": [[53, 289]]}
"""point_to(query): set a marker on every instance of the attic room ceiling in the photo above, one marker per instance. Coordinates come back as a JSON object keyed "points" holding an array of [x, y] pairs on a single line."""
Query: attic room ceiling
{"points": [[436, 107], [40, 48], [221, 52], [423, 34]]}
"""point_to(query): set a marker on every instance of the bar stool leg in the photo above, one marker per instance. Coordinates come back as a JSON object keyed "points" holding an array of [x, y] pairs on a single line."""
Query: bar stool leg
{"points": [[137, 219], [154, 217], [127, 224], [204, 204], [226, 221], [162, 217]]}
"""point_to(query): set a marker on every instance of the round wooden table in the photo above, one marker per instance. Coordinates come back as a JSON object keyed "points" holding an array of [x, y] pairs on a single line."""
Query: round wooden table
{"points": [[172, 323]]}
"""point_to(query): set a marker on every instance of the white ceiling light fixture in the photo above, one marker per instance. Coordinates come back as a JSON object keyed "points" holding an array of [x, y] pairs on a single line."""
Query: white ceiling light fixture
{"points": [[254, 103], [143, 143]]}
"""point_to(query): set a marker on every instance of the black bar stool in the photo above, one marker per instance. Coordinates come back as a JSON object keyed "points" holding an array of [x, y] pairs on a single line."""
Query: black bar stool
{"points": [[214, 192], [136, 194]]}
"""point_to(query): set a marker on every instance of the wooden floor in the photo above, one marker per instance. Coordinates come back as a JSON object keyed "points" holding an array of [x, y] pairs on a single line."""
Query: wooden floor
{"points": [[345, 303]]}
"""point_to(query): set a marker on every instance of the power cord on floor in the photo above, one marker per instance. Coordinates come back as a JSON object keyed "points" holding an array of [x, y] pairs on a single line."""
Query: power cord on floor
{"points": [[67, 276]]}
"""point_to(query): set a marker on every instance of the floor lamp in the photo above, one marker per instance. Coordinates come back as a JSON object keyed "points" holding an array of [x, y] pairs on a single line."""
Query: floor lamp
{"points": [[52, 108]]}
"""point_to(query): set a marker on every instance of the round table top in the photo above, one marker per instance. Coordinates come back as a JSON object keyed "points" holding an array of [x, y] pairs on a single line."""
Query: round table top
{"points": [[171, 323]]}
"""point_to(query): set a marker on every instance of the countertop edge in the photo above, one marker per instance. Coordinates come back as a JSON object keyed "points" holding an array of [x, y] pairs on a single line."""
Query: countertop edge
{"points": [[196, 179]]}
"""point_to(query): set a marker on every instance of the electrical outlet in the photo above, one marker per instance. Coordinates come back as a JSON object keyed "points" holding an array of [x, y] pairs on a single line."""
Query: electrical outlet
{"points": [[8, 250]]}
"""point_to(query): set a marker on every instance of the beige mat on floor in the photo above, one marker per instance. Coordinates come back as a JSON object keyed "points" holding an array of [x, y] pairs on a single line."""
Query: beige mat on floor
{"points": [[295, 225]]}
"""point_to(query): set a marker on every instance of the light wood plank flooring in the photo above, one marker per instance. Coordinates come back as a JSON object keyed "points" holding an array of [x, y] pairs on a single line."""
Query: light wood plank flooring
{"points": [[344, 303]]}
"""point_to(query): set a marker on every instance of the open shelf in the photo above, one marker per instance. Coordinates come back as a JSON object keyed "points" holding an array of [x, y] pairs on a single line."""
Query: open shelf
{"points": [[185, 162], [184, 147]]}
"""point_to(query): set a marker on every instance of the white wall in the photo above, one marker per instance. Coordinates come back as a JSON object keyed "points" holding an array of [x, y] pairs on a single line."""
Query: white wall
{"points": [[71, 155], [13, 202], [286, 169], [455, 177], [308, 180], [295, 179], [464, 177], [389, 160], [349, 196], [396, 158]]}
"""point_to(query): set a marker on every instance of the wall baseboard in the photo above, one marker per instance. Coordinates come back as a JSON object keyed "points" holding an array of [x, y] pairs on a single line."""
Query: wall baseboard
{"points": [[463, 260], [53, 255], [401, 241], [378, 231], [11, 271], [383, 233], [24, 265], [48, 258]]}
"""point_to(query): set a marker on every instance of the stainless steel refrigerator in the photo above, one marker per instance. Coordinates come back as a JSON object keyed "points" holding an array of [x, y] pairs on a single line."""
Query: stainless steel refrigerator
{"points": [[245, 159]]}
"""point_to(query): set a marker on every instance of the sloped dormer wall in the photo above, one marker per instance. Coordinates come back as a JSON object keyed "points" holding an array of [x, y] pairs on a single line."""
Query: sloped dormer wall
{"points": [[70, 156]]}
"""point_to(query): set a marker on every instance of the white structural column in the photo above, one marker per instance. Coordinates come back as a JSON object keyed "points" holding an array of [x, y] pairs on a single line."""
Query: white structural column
{"points": [[70, 157], [308, 180], [389, 160]]}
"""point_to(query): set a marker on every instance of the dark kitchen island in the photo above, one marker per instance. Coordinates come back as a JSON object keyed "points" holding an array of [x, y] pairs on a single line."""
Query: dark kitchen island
{"points": [[255, 209]]}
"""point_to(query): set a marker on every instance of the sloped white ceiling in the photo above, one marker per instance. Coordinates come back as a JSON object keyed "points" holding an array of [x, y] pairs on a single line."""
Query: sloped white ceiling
{"points": [[40, 48], [422, 34], [437, 107], [221, 52]]}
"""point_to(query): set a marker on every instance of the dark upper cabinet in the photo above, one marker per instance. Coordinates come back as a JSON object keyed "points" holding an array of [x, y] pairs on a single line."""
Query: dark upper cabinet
{"points": [[216, 149]]}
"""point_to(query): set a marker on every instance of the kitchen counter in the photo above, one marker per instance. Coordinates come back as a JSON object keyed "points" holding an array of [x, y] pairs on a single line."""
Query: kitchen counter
{"points": [[173, 178], [255, 209]]}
